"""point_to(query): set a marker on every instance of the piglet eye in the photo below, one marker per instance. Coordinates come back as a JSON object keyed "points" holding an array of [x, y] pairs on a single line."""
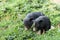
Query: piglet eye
{"points": [[41, 21], [31, 19]]}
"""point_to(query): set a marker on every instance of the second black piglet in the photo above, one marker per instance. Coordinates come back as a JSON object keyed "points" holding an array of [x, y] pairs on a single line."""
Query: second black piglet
{"points": [[42, 24]]}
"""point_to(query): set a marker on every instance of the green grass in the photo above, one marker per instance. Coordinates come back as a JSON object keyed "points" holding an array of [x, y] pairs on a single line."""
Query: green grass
{"points": [[12, 12]]}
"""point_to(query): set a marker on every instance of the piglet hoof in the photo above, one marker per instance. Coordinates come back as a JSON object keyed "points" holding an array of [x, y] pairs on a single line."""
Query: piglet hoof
{"points": [[39, 32], [43, 32], [26, 28], [34, 29]]}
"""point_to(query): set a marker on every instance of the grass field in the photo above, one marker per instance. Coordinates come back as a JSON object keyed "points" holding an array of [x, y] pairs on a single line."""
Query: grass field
{"points": [[12, 12]]}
